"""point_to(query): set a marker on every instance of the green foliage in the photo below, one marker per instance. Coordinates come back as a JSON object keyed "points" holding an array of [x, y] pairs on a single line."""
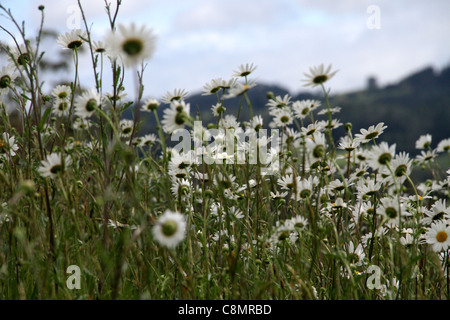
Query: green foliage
{"points": [[77, 188]]}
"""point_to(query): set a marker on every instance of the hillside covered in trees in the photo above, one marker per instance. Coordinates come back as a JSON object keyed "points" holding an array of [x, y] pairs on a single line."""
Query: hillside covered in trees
{"points": [[415, 106]]}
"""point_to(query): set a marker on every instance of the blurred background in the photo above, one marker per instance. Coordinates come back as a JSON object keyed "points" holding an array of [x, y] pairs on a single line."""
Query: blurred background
{"points": [[199, 40], [393, 56]]}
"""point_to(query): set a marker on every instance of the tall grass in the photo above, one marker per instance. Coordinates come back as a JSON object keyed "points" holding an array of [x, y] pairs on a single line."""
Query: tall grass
{"points": [[321, 235]]}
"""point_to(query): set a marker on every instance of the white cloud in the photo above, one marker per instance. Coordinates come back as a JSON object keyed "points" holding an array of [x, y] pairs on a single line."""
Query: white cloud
{"points": [[203, 39], [231, 14]]}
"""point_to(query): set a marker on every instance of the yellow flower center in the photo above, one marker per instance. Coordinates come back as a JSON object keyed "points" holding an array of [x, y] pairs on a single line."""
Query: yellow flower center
{"points": [[63, 95], [133, 47], [320, 78], [284, 119], [169, 228], [441, 236], [5, 81], [3, 146]]}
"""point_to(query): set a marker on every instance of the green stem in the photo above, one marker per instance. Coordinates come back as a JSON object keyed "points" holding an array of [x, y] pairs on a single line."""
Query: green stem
{"points": [[161, 137]]}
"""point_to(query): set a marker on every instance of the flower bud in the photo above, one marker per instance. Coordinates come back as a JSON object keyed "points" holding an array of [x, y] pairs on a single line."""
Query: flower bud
{"points": [[27, 186], [270, 95]]}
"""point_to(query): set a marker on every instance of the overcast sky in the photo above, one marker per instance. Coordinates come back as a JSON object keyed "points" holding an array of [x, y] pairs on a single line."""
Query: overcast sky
{"points": [[199, 40]]}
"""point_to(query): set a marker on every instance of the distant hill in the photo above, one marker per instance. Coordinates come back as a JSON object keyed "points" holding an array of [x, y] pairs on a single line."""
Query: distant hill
{"points": [[416, 105]]}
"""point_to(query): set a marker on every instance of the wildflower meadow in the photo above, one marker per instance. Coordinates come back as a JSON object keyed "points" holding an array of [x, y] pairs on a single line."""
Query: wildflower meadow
{"points": [[91, 208]]}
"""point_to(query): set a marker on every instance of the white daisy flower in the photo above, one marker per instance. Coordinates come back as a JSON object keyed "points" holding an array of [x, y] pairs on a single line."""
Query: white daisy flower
{"points": [[181, 161], [443, 145], [72, 40], [126, 128], [368, 188], [318, 75], [7, 76], [235, 212], [278, 102], [131, 44], [99, 47], [180, 187], [381, 155], [438, 212], [150, 105], [212, 87], [371, 133], [216, 209], [277, 195], [229, 122], [226, 84], [256, 123], [291, 136], [147, 140], [391, 210], [21, 56], [223, 156], [218, 109], [61, 107], [312, 128], [348, 144], [355, 255], [175, 116], [282, 117], [336, 186], [438, 236], [426, 156], [361, 155], [289, 182], [62, 92], [303, 108], [407, 239], [53, 164], [225, 181], [305, 188], [170, 229], [239, 89], [316, 145], [244, 70], [401, 165], [333, 110], [8, 146], [337, 204], [284, 233], [177, 95], [81, 124], [334, 124], [424, 142], [298, 222], [86, 103]]}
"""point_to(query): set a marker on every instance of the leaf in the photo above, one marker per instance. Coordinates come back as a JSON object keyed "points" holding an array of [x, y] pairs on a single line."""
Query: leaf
{"points": [[125, 106], [44, 119]]}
